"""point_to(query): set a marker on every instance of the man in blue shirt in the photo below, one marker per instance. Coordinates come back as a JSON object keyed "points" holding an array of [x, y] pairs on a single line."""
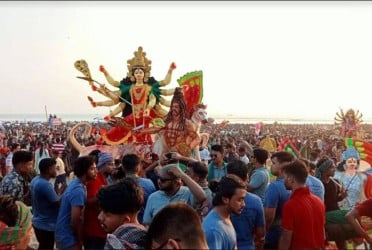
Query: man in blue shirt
{"points": [[131, 164], [170, 180], [217, 167], [69, 225], [275, 197], [260, 176], [250, 224], [316, 186], [217, 225], [45, 204]]}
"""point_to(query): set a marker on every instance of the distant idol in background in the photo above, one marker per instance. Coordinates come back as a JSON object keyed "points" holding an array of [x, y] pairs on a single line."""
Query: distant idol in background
{"points": [[350, 123]]}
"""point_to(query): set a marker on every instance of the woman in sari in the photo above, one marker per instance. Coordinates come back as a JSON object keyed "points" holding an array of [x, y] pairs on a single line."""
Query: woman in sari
{"points": [[15, 223]]}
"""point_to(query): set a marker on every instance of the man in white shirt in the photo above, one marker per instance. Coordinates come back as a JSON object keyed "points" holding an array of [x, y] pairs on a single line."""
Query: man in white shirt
{"points": [[61, 172]]}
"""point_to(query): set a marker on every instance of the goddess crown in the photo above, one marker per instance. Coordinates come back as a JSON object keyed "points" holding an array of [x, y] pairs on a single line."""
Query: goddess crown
{"points": [[139, 61], [350, 152]]}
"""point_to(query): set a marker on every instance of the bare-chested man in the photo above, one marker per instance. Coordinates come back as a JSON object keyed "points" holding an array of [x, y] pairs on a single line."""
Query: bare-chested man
{"points": [[179, 133]]}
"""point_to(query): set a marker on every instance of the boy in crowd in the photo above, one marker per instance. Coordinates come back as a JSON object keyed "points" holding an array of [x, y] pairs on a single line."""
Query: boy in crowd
{"points": [[217, 225], [120, 204], [176, 226]]}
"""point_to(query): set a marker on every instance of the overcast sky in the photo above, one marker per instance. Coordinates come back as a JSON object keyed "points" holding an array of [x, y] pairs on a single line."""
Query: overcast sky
{"points": [[281, 59]]}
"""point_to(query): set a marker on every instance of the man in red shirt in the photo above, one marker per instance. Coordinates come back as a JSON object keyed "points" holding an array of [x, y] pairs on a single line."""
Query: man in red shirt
{"points": [[354, 215], [303, 215], [94, 235]]}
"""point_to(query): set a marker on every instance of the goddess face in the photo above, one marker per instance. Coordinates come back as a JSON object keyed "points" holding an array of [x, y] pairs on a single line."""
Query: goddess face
{"points": [[351, 163], [350, 114], [139, 74]]}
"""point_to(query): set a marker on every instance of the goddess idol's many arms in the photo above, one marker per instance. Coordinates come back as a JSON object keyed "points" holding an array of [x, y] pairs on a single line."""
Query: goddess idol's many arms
{"points": [[154, 100]]}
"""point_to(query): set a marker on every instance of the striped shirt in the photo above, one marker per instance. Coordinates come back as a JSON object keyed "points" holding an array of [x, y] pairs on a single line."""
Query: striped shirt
{"points": [[59, 147]]}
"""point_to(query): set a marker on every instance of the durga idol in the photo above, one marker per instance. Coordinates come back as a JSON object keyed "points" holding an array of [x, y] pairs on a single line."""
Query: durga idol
{"points": [[140, 99]]}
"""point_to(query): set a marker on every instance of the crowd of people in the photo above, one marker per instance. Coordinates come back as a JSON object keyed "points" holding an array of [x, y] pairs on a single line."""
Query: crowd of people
{"points": [[245, 192]]}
